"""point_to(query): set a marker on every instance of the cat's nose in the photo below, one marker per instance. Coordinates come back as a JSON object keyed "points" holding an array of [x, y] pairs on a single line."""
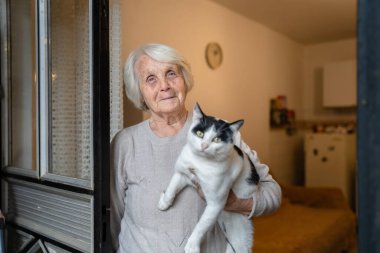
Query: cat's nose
{"points": [[204, 146]]}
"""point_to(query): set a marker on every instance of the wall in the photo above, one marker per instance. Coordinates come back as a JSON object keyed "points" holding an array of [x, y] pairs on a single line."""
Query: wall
{"points": [[312, 111], [315, 56], [258, 64]]}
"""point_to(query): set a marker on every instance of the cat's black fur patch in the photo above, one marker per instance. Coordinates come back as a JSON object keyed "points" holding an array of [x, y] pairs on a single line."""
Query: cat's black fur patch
{"points": [[222, 128], [254, 178], [238, 150]]}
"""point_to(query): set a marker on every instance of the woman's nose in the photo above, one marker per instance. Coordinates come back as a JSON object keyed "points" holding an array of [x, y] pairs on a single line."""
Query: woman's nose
{"points": [[164, 84]]}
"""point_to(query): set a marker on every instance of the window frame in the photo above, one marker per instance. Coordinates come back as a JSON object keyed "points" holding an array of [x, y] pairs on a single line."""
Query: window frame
{"points": [[43, 114]]}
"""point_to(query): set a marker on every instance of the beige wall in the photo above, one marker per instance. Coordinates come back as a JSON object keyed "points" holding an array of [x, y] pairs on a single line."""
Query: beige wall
{"points": [[290, 168], [258, 64], [315, 56]]}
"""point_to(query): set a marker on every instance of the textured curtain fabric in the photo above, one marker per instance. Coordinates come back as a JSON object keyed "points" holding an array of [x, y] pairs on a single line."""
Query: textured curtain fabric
{"points": [[116, 81], [70, 89], [71, 85]]}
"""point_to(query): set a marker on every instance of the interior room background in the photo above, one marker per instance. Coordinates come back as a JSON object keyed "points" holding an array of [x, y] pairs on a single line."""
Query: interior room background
{"points": [[53, 113], [259, 64]]}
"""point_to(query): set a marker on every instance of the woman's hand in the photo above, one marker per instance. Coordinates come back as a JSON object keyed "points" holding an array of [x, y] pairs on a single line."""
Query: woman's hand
{"points": [[234, 204]]}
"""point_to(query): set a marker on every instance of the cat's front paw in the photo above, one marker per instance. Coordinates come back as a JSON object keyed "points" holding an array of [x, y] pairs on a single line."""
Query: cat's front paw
{"points": [[192, 247], [163, 204]]}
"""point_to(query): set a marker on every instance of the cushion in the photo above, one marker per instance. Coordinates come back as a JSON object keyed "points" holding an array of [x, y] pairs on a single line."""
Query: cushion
{"points": [[301, 229]]}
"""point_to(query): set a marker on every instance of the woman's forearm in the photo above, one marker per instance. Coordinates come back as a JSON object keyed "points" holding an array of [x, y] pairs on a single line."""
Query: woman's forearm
{"points": [[242, 206]]}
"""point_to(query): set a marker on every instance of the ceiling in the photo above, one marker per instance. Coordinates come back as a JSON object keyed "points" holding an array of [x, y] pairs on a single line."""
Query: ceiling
{"points": [[305, 21]]}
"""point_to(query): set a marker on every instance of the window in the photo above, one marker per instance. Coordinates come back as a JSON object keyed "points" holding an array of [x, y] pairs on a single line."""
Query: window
{"points": [[48, 96], [55, 126]]}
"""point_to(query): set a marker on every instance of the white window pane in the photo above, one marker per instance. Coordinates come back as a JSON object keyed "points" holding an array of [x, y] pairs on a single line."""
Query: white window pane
{"points": [[70, 89], [23, 85]]}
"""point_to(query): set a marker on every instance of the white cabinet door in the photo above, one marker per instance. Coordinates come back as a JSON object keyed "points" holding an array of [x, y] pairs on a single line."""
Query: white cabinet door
{"points": [[340, 84]]}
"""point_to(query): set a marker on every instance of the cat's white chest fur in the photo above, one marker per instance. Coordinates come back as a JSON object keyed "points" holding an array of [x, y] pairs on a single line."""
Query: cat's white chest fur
{"points": [[209, 173]]}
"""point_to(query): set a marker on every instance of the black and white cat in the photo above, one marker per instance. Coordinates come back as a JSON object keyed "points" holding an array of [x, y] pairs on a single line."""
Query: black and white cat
{"points": [[211, 160]]}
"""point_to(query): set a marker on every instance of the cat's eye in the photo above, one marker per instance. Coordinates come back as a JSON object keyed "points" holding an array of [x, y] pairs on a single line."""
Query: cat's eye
{"points": [[216, 140], [200, 134]]}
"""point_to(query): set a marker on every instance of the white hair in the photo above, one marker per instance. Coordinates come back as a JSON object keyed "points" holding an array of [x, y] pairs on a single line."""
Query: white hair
{"points": [[157, 52]]}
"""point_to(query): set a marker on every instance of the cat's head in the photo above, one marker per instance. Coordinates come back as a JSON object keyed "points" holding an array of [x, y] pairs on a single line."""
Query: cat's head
{"points": [[212, 137]]}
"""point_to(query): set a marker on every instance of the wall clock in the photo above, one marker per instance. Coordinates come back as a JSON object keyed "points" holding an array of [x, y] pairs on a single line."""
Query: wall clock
{"points": [[214, 55]]}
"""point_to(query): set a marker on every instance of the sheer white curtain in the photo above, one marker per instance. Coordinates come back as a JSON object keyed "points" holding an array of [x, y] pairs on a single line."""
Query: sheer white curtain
{"points": [[116, 80], [71, 87]]}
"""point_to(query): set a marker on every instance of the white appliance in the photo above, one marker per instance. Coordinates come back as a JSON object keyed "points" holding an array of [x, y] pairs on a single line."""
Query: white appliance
{"points": [[330, 160]]}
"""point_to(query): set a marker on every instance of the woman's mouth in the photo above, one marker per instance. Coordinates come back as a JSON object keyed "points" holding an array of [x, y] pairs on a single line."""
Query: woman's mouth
{"points": [[167, 98]]}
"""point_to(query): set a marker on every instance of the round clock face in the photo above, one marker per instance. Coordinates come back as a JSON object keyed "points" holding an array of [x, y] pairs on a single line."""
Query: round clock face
{"points": [[214, 55]]}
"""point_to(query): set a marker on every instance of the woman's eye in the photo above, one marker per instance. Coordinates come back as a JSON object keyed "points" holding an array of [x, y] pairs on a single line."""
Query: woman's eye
{"points": [[216, 140], [171, 74], [151, 79], [200, 134]]}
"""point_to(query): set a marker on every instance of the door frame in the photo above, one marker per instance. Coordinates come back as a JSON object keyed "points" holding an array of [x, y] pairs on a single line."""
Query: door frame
{"points": [[368, 118], [101, 133]]}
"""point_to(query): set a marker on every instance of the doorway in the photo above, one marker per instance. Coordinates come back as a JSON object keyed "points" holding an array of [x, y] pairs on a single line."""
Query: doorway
{"points": [[55, 126]]}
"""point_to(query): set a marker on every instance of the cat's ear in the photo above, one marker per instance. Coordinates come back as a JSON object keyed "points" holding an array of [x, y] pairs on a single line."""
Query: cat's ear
{"points": [[198, 114], [235, 126]]}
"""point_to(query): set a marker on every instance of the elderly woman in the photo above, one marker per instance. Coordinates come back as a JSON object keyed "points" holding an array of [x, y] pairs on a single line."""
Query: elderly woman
{"points": [[157, 80]]}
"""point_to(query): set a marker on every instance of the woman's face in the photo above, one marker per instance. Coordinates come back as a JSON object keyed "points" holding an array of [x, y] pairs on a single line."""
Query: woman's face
{"points": [[162, 86]]}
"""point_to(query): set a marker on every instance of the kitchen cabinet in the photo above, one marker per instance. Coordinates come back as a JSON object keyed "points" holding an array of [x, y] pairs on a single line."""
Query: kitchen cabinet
{"points": [[340, 84]]}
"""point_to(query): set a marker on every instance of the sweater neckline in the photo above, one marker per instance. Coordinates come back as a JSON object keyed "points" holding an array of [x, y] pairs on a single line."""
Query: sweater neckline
{"points": [[162, 140]]}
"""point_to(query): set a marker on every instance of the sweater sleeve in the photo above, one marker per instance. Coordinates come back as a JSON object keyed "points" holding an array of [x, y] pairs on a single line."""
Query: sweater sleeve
{"points": [[118, 186], [267, 198]]}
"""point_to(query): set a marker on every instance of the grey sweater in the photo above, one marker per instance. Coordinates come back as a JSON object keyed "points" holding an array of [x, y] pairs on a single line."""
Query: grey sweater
{"points": [[142, 165]]}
